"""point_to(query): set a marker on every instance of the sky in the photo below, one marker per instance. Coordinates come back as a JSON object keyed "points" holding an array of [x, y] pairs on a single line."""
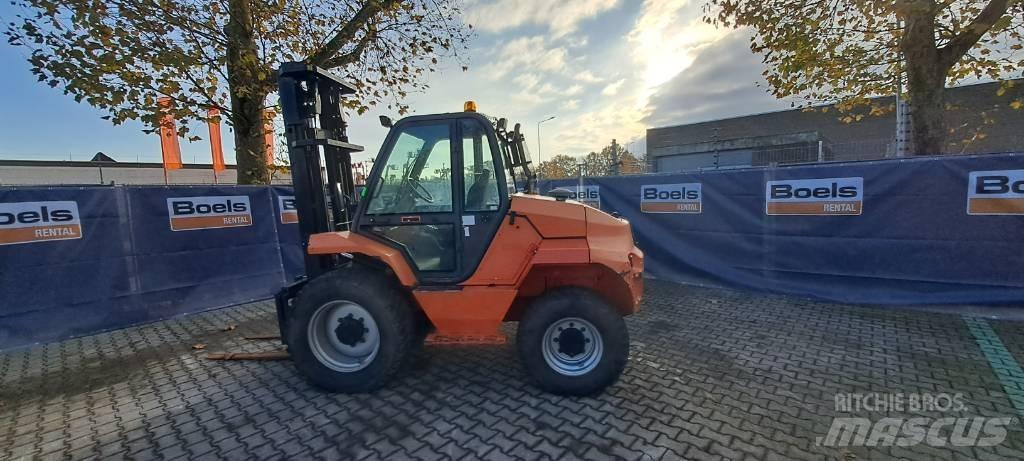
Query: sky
{"points": [[605, 69]]}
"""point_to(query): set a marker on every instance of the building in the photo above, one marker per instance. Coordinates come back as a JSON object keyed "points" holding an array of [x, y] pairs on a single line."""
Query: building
{"points": [[799, 136], [95, 172]]}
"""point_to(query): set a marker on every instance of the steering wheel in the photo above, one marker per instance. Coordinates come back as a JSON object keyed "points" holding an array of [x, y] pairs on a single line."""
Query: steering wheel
{"points": [[419, 191]]}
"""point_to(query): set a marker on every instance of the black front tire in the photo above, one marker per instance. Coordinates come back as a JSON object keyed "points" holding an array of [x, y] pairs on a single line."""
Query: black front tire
{"points": [[383, 299], [581, 303]]}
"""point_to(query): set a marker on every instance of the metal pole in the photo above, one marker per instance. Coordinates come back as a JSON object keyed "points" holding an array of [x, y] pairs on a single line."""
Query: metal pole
{"points": [[539, 156], [821, 151], [901, 132], [714, 141], [899, 119], [614, 167]]}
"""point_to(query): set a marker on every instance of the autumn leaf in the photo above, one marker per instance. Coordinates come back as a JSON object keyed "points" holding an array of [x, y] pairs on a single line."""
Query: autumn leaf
{"points": [[850, 52], [118, 56]]}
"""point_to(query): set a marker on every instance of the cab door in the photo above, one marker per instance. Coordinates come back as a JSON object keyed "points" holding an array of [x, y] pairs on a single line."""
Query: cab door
{"points": [[437, 193], [484, 195], [412, 203]]}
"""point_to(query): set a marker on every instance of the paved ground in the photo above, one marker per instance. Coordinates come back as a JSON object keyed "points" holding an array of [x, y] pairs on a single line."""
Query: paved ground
{"points": [[712, 374]]}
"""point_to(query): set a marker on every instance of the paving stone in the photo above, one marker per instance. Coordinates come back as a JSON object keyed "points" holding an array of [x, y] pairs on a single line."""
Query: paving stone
{"points": [[713, 374]]}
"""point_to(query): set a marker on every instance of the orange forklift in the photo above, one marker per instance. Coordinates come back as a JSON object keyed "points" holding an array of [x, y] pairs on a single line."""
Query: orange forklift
{"points": [[440, 242]]}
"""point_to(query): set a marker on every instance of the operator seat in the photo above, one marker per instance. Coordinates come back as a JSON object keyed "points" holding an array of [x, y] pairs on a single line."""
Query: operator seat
{"points": [[476, 198]]}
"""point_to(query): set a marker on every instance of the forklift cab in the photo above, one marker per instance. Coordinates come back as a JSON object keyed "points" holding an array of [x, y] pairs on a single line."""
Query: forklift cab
{"points": [[437, 192]]}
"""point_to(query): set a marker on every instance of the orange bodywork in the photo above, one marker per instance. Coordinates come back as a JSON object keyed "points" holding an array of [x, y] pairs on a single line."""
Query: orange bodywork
{"points": [[542, 244], [469, 311], [332, 243]]}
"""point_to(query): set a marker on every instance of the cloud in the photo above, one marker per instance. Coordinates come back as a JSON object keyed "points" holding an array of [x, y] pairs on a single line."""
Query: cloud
{"points": [[595, 128], [560, 17], [669, 70], [587, 76], [527, 54], [722, 81], [534, 73], [527, 81], [661, 45], [667, 36], [613, 88]]}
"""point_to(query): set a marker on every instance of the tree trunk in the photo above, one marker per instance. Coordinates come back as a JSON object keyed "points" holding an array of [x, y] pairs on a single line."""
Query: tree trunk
{"points": [[926, 74], [248, 95]]}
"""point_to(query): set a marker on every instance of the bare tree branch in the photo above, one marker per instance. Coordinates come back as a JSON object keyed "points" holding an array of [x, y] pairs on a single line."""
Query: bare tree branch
{"points": [[959, 46], [347, 33]]}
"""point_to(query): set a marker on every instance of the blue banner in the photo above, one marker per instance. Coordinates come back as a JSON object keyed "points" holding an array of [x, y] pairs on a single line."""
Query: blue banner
{"points": [[78, 260], [904, 235], [81, 260]]}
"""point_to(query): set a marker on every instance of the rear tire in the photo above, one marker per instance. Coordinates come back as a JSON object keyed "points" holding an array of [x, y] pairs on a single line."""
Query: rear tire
{"points": [[351, 330], [572, 342]]}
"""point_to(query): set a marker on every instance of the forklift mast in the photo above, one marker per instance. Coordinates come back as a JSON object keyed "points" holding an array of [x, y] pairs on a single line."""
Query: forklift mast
{"points": [[513, 151], [320, 154]]}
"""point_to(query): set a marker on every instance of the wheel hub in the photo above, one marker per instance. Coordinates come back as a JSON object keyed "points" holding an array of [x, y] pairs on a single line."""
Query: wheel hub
{"points": [[351, 330], [571, 341], [343, 336], [572, 346]]}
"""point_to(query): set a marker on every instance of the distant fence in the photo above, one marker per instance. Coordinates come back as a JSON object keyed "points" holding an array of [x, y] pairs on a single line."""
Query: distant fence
{"points": [[893, 231], [823, 152], [77, 260], [49, 172]]}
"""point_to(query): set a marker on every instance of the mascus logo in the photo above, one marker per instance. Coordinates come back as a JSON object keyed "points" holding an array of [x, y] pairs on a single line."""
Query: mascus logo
{"points": [[830, 196], [286, 208], [995, 192], [588, 195], [27, 222], [192, 213], [671, 198]]}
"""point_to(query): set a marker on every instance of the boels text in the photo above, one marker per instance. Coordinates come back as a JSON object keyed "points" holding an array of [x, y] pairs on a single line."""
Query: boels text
{"points": [[588, 195], [671, 198], [194, 213], [26, 222], [822, 197], [995, 192], [286, 209]]}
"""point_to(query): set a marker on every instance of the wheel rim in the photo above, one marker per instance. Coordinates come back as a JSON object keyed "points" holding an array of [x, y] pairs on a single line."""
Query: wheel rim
{"points": [[572, 346], [343, 336]]}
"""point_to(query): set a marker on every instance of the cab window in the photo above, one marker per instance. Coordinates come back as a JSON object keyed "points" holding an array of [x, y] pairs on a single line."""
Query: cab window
{"points": [[417, 176], [480, 187]]}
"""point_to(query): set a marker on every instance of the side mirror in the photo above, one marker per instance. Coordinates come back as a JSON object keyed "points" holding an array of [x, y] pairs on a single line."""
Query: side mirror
{"points": [[560, 194], [385, 121]]}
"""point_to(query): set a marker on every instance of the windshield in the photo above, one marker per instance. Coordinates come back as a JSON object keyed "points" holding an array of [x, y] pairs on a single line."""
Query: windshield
{"points": [[417, 176]]}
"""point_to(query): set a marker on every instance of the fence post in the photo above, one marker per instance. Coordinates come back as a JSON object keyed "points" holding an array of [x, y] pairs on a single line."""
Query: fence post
{"points": [[821, 151]]}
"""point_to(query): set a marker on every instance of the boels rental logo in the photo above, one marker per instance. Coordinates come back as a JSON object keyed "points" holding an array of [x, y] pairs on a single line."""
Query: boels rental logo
{"points": [[996, 192], [194, 213], [820, 197], [286, 208], [671, 198], [588, 195], [27, 222]]}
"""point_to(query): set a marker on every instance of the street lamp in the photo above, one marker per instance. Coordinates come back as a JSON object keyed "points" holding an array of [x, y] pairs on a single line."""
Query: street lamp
{"points": [[538, 143]]}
